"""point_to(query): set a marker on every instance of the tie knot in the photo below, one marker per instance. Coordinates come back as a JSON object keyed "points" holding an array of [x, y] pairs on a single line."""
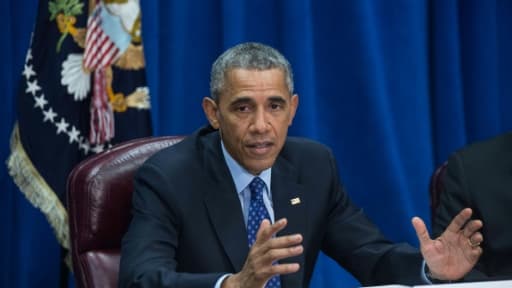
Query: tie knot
{"points": [[256, 186]]}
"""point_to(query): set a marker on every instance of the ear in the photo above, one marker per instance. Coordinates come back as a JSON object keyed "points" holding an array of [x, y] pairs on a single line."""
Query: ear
{"points": [[210, 110], [294, 103]]}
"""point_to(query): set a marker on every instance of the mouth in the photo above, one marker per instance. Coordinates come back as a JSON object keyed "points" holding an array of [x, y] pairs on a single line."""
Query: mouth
{"points": [[260, 147]]}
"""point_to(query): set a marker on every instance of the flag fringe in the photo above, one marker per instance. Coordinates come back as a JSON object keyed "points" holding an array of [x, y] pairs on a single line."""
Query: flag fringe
{"points": [[36, 190]]}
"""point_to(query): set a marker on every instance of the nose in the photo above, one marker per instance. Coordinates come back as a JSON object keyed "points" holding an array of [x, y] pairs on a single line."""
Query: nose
{"points": [[260, 123]]}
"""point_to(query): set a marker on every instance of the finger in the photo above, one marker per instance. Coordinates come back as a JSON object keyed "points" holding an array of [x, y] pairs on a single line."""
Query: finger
{"points": [[285, 241], [476, 239], [280, 269], [277, 248], [421, 230], [274, 255], [472, 227], [459, 221], [266, 230], [284, 268], [475, 253]]}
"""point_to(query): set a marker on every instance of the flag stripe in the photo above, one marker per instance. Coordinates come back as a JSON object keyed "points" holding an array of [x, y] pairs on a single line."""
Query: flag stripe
{"points": [[100, 50]]}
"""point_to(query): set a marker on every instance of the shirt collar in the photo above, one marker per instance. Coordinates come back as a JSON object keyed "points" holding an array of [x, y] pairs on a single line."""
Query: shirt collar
{"points": [[240, 175]]}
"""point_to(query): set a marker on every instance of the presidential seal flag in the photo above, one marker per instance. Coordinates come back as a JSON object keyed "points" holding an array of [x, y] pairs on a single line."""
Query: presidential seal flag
{"points": [[82, 89]]}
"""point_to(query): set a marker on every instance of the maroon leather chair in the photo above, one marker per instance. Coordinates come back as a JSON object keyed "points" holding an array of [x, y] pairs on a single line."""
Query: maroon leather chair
{"points": [[436, 188], [99, 192]]}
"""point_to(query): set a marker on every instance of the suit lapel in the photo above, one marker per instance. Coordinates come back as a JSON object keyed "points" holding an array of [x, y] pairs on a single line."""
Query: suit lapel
{"points": [[223, 205], [289, 202]]}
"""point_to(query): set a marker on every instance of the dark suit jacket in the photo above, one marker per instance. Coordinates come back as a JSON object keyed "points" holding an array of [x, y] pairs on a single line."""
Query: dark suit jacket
{"points": [[188, 228], [480, 176]]}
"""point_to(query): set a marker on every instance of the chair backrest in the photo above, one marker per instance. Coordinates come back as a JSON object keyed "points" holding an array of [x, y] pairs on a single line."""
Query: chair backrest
{"points": [[99, 193], [435, 189]]}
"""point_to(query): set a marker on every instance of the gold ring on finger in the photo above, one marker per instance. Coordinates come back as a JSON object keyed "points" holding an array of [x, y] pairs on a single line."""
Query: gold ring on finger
{"points": [[473, 244]]}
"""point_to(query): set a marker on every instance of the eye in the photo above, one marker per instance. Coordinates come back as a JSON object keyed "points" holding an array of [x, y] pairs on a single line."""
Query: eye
{"points": [[242, 108], [276, 106]]}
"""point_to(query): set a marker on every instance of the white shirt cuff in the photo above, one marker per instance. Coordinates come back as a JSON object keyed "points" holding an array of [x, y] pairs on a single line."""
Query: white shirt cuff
{"points": [[218, 284], [424, 273]]}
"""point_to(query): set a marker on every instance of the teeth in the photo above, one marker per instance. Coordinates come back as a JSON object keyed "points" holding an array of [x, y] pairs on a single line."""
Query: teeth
{"points": [[259, 145]]}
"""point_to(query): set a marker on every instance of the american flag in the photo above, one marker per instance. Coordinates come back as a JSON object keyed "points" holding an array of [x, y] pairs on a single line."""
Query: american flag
{"points": [[50, 136], [105, 40]]}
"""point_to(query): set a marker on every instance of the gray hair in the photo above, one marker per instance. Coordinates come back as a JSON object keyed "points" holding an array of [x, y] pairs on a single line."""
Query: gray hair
{"points": [[250, 56]]}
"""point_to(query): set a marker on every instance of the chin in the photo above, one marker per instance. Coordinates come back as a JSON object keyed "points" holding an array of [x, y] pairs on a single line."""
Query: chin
{"points": [[256, 169]]}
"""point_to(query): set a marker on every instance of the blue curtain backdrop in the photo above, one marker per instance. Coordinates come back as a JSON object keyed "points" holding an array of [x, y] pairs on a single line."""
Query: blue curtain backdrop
{"points": [[392, 86]]}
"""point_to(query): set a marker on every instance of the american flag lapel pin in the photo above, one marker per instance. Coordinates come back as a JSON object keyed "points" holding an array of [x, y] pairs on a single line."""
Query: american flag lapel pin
{"points": [[295, 201]]}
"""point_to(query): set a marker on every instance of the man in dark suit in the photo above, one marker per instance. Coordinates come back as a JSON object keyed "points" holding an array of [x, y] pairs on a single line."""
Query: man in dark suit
{"points": [[240, 204], [480, 176]]}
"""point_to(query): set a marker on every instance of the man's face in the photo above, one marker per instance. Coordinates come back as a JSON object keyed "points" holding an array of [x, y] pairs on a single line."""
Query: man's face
{"points": [[252, 114]]}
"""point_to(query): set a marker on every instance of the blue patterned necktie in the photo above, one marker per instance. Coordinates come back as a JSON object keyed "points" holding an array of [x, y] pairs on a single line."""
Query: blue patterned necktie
{"points": [[258, 212]]}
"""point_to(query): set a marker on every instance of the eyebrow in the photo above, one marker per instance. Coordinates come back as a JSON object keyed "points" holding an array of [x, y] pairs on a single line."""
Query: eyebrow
{"points": [[278, 99], [249, 100], [241, 100]]}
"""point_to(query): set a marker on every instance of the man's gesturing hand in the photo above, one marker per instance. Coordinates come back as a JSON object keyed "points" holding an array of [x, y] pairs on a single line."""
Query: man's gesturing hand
{"points": [[456, 251], [258, 268]]}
